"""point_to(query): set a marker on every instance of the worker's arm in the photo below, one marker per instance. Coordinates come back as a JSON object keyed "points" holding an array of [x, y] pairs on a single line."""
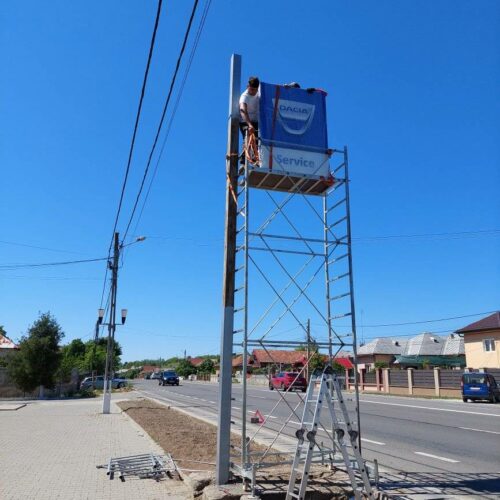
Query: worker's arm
{"points": [[244, 112]]}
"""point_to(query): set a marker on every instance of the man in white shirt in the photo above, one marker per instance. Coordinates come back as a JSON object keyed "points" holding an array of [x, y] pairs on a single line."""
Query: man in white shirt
{"points": [[249, 107]]}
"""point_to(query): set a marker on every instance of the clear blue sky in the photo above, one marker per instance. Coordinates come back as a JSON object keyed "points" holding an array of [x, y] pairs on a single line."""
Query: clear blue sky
{"points": [[413, 91]]}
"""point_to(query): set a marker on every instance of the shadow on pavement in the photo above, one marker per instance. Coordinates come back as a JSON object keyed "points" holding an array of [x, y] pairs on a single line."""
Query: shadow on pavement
{"points": [[446, 483]]}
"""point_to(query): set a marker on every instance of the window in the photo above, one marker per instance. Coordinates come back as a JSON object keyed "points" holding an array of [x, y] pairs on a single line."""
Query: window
{"points": [[489, 345]]}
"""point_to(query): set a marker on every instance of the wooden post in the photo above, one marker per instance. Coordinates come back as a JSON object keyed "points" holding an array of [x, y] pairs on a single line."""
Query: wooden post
{"points": [[437, 381], [410, 381]]}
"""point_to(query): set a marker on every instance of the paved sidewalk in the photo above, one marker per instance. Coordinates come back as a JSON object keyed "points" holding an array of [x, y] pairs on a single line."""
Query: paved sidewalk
{"points": [[50, 449]]}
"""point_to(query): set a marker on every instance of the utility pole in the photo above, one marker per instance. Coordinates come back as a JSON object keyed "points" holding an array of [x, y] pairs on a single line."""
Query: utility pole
{"points": [[224, 418], [108, 372]]}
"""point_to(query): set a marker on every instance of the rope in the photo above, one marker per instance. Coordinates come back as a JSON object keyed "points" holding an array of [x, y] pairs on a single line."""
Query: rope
{"points": [[251, 148]]}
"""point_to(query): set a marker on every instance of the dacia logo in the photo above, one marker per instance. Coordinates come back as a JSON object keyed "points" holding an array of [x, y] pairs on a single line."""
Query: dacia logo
{"points": [[295, 117]]}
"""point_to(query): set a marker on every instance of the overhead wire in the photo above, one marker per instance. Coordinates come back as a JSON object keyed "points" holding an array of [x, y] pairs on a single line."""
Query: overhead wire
{"points": [[176, 105], [8, 267], [134, 134], [165, 107]]}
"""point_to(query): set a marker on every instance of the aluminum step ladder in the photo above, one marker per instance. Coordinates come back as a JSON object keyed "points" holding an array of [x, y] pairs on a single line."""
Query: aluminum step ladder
{"points": [[324, 388]]}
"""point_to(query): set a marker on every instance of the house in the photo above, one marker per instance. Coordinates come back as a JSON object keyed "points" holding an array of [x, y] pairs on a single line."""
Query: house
{"points": [[148, 370], [380, 350], [196, 362], [430, 350], [482, 342], [422, 350], [271, 360], [7, 346]]}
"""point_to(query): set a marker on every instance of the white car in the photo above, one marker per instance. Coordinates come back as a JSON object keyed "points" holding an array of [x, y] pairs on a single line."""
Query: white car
{"points": [[98, 383]]}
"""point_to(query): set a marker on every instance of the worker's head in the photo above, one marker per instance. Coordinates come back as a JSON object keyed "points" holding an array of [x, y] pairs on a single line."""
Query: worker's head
{"points": [[253, 85]]}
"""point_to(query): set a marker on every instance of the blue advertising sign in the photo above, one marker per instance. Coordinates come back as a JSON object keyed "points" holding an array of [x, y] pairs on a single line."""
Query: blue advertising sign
{"points": [[292, 118]]}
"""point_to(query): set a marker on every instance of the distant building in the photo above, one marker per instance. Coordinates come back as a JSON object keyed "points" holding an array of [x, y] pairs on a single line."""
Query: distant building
{"points": [[424, 350], [482, 342], [7, 346]]}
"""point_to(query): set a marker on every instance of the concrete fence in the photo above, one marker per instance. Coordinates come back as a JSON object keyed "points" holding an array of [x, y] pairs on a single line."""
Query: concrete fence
{"points": [[9, 390]]}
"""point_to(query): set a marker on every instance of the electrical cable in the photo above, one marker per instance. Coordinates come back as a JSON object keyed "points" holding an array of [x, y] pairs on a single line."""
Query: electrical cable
{"points": [[176, 105], [132, 143], [172, 83], [9, 267]]}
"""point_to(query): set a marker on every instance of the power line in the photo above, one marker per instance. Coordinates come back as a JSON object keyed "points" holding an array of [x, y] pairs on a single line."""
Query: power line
{"points": [[36, 247], [132, 143], [47, 264], [172, 83], [177, 102]]}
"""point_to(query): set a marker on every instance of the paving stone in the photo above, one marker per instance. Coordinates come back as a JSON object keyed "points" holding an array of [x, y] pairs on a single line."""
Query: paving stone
{"points": [[50, 450]]}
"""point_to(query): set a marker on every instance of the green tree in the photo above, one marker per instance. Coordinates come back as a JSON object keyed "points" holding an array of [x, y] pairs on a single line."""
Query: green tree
{"points": [[2, 331], [185, 368], [39, 355], [95, 356], [207, 366]]}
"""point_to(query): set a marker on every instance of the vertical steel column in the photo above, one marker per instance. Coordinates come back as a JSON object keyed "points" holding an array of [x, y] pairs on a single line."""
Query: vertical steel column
{"points": [[224, 417], [351, 286], [244, 446], [327, 278]]}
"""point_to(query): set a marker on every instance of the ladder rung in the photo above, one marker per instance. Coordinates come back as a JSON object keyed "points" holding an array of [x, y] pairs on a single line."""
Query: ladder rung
{"points": [[340, 276], [338, 222], [341, 296], [336, 259], [237, 331], [294, 495], [340, 316]]}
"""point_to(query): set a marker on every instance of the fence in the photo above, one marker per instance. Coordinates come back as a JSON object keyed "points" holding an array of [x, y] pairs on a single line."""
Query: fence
{"points": [[9, 390], [437, 382]]}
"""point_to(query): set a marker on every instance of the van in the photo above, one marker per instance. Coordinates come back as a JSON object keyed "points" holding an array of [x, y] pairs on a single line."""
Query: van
{"points": [[478, 385]]}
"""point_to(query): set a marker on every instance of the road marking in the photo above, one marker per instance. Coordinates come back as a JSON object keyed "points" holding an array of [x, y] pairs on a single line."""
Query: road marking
{"points": [[235, 408], [270, 416], [478, 430], [293, 422], [373, 442], [430, 408], [444, 459]]}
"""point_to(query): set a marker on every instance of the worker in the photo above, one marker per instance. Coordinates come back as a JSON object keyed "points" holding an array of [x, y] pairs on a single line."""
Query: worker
{"points": [[249, 107]]}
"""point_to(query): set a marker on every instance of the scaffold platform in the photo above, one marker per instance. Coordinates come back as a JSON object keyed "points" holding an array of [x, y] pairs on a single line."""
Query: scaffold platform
{"points": [[276, 180]]}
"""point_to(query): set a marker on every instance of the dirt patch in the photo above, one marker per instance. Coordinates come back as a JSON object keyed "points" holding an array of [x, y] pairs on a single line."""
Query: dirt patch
{"points": [[192, 444], [190, 441]]}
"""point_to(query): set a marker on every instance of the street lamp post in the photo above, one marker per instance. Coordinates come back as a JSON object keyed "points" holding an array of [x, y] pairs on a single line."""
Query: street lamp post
{"points": [[108, 370]]}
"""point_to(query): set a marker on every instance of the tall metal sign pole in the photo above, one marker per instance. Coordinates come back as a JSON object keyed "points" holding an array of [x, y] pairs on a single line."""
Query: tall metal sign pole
{"points": [[224, 427], [108, 372]]}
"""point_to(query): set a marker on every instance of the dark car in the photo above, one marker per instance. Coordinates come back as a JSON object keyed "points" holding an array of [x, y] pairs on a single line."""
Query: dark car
{"points": [[288, 381], [169, 377], [479, 385]]}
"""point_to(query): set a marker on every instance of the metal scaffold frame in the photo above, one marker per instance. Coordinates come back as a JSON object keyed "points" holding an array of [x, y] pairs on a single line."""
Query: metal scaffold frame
{"points": [[327, 253]]}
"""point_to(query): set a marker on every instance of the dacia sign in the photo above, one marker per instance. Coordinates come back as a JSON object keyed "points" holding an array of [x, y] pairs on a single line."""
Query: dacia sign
{"points": [[292, 130]]}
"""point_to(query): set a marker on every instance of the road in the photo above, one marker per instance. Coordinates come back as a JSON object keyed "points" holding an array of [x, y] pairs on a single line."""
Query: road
{"points": [[432, 440]]}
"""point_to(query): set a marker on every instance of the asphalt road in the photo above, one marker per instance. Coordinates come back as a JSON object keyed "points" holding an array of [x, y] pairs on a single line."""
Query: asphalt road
{"points": [[432, 440]]}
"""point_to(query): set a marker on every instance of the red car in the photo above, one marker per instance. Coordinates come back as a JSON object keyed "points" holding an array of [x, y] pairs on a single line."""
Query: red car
{"points": [[288, 380]]}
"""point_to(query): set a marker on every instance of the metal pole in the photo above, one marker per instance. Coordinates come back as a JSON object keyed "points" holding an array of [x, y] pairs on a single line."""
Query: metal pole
{"points": [[351, 286], [106, 403], [224, 417], [244, 443]]}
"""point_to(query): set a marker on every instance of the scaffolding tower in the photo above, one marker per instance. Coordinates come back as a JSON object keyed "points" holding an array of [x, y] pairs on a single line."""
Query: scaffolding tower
{"points": [[292, 266]]}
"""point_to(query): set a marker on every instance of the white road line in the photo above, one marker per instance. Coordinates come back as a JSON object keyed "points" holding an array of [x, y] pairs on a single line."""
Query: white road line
{"points": [[430, 408], [444, 459], [293, 422], [373, 442], [270, 416], [478, 430], [235, 408]]}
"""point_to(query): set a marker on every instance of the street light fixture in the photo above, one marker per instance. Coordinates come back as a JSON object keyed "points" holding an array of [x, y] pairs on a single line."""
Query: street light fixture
{"points": [[100, 316], [124, 315]]}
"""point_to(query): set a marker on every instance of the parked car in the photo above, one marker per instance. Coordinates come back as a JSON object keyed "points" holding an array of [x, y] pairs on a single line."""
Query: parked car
{"points": [[479, 385], [169, 377], [288, 380], [116, 383], [156, 376]]}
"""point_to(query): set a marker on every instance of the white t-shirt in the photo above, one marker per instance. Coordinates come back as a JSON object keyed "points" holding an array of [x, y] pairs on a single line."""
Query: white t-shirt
{"points": [[252, 102]]}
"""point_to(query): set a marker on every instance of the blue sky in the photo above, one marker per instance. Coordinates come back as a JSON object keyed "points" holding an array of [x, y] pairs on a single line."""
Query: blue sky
{"points": [[413, 92]]}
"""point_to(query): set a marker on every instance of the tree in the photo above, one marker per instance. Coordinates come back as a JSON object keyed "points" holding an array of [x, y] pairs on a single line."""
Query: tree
{"points": [[2, 331], [39, 355], [207, 366], [185, 368]]}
